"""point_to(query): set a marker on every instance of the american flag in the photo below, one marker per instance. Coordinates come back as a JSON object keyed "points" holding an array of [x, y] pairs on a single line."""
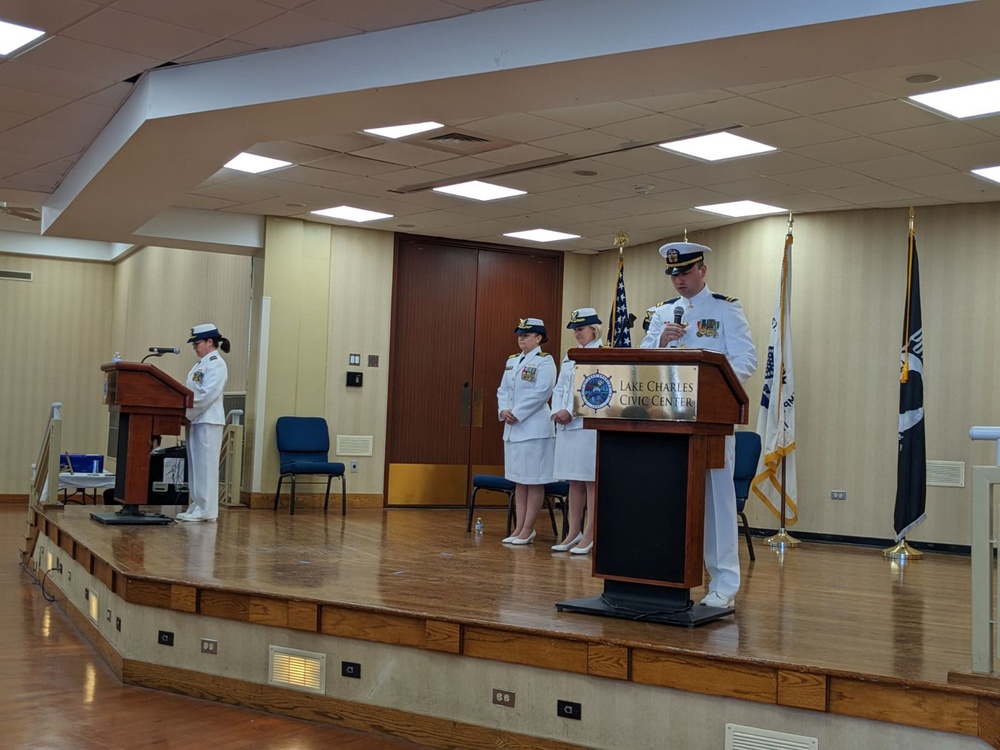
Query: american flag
{"points": [[620, 333]]}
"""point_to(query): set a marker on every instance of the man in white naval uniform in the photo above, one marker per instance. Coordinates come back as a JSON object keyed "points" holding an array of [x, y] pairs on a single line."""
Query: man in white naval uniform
{"points": [[716, 323], [206, 423]]}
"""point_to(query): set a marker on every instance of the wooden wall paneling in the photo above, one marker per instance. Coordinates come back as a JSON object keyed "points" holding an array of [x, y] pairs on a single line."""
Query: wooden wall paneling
{"points": [[605, 660], [929, 709], [260, 610], [701, 675], [519, 648], [802, 690], [370, 626], [443, 636]]}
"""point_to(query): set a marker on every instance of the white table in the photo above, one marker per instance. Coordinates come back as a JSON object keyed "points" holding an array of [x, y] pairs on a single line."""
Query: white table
{"points": [[71, 483]]}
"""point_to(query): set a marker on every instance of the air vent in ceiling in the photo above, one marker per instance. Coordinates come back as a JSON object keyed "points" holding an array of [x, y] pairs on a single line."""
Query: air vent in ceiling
{"points": [[459, 142], [16, 275]]}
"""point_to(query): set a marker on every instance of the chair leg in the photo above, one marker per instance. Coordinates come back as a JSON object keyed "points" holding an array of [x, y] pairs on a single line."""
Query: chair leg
{"points": [[511, 512], [343, 495], [291, 501], [552, 516], [472, 509], [326, 502], [746, 532], [277, 492]]}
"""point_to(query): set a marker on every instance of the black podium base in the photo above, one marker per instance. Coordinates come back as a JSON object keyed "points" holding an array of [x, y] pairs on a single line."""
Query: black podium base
{"points": [[131, 515], [642, 602]]}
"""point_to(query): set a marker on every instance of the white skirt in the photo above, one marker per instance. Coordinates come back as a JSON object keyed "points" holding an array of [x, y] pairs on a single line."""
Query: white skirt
{"points": [[576, 455], [529, 461]]}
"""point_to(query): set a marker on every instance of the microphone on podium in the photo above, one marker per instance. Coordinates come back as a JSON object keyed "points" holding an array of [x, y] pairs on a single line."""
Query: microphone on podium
{"points": [[161, 350]]}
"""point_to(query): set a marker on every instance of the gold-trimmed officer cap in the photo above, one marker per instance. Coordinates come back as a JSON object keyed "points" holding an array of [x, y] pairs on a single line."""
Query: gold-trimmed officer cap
{"points": [[532, 325], [680, 256], [204, 332], [585, 316]]}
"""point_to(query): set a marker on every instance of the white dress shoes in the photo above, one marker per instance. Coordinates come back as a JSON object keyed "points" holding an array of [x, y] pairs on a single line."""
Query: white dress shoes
{"points": [[568, 545], [583, 549], [518, 540], [715, 599], [192, 517]]}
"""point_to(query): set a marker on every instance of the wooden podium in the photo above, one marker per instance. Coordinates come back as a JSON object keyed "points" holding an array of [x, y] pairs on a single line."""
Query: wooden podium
{"points": [[143, 401], [662, 417]]}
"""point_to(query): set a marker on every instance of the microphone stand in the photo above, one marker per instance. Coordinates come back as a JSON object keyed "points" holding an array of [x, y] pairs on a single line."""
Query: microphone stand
{"points": [[154, 354]]}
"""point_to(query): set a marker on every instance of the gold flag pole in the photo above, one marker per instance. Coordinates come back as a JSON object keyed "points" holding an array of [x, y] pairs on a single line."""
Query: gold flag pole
{"points": [[901, 550], [783, 539]]}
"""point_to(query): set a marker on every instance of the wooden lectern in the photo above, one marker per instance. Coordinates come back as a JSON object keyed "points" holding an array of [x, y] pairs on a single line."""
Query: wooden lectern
{"points": [[662, 417], [143, 401]]}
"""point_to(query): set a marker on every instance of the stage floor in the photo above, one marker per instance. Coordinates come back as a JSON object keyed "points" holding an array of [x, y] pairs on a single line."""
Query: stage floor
{"points": [[840, 610]]}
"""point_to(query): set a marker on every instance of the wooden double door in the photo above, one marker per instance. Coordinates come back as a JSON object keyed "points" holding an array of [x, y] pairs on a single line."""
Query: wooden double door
{"points": [[455, 307]]}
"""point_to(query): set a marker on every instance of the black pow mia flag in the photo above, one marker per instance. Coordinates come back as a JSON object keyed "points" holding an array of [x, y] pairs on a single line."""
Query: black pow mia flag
{"points": [[911, 469]]}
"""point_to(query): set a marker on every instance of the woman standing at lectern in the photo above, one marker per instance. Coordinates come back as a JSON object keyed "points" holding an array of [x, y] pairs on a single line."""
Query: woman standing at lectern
{"points": [[206, 422]]}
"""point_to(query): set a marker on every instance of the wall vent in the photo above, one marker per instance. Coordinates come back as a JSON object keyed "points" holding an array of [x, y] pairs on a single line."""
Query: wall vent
{"points": [[751, 738], [354, 445], [235, 400], [16, 275], [301, 670], [945, 473]]}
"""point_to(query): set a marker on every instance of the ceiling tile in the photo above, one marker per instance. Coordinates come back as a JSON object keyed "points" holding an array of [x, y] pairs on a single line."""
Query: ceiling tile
{"points": [[760, 189], [658, 127], [874, 194], [50, 15], [801, 131], [670, 102], [26, 102], [893, 168], [10, 120], [535, 182], [192, 200], [642, 183], [594, 115], [633, 205], [576, 212], [893, 81], [49, 81], [580, 143], [955, 183], [521, 154], [520, 127], [111, 97], [880, 117], [737, 110], [63, 53], [224, 48], [142, 36], [584, 194], [83, 114], [824, 178], [71, 137], [965, 158], [219, 17], [823, 95], [374, 15], [234, 193], [850, 150], [293, 28], [711, 174], [402, 154], [780, 162], [17, 142]]}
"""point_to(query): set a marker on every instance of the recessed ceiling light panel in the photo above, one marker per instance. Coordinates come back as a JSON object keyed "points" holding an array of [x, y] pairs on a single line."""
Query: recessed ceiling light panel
{"points": [[541, 235], [349, 213], [964, 101], [255, 164], [717, 146], [989, 173], [13, 36], [741, 209], [401, 131], [479, 191]]}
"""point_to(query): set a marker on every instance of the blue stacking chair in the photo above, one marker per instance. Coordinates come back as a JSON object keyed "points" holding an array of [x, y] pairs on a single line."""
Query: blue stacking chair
{"points": [[304, 449], [744, 469], [554, 491]]}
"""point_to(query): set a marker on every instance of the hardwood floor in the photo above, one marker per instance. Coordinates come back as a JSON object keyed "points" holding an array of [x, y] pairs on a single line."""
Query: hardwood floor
{"points": [[60, 695]]}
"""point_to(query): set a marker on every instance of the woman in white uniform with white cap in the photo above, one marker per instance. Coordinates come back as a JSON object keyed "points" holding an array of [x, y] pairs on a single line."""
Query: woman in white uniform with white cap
{"points": [[206, 422], [528, 435], [576, 448]]}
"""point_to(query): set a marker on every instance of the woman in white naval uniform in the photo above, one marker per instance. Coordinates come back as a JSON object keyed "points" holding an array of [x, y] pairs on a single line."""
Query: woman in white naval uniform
{"points": [[576, 448], [528, 436], [699, 319], [206, 422]]}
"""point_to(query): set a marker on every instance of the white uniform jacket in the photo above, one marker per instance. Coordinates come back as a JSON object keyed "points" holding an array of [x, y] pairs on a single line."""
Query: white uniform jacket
{"points": [[207, 380], [715, 323], [525, 390], [562, 394]]}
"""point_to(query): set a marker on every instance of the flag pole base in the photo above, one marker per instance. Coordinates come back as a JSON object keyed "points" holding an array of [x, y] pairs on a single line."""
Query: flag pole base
{"points": [[782, 539], [902, 551]]}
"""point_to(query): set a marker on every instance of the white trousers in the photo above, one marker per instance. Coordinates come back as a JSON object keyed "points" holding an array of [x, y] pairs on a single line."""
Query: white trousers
{"points": [[204, 447], [722, 558]]}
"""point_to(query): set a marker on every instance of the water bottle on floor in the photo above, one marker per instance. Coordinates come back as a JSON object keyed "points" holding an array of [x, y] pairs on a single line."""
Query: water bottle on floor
{"points": [[479, 526]]}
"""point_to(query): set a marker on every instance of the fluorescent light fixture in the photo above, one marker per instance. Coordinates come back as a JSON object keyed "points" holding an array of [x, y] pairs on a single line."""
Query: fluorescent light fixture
{"points": [[964, 101], [479, 191], [990, 173], [717, 146], [349, 213], [401, 131], [14, 37], [255, 164], [541, 235], [738, 209]]}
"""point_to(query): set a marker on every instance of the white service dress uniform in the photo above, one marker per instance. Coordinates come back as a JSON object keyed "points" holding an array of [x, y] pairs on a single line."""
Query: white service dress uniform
{"points": [[715, 323], [528, 445], [576, 448], [206, 422]]}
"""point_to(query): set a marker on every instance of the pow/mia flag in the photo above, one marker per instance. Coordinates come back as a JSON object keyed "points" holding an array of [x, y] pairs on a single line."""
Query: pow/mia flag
{"points": [[911, 469]]}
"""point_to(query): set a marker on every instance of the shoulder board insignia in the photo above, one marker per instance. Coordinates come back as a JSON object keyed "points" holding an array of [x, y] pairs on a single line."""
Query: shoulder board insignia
{"points": [[213, 358], [543, 354], [668, 301], [512, 356], [724, 297]]}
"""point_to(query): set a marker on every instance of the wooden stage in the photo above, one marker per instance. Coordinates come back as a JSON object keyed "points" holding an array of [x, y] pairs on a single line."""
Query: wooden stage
{"points": [[822, 630]]}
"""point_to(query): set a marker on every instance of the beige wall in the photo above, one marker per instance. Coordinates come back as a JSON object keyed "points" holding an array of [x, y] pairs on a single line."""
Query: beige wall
{"points": [[54, 336], [330, 292], [849, 276]]}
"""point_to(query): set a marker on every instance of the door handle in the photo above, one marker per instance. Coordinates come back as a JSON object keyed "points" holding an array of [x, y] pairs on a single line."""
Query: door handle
{"points": [[465, 405]]}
